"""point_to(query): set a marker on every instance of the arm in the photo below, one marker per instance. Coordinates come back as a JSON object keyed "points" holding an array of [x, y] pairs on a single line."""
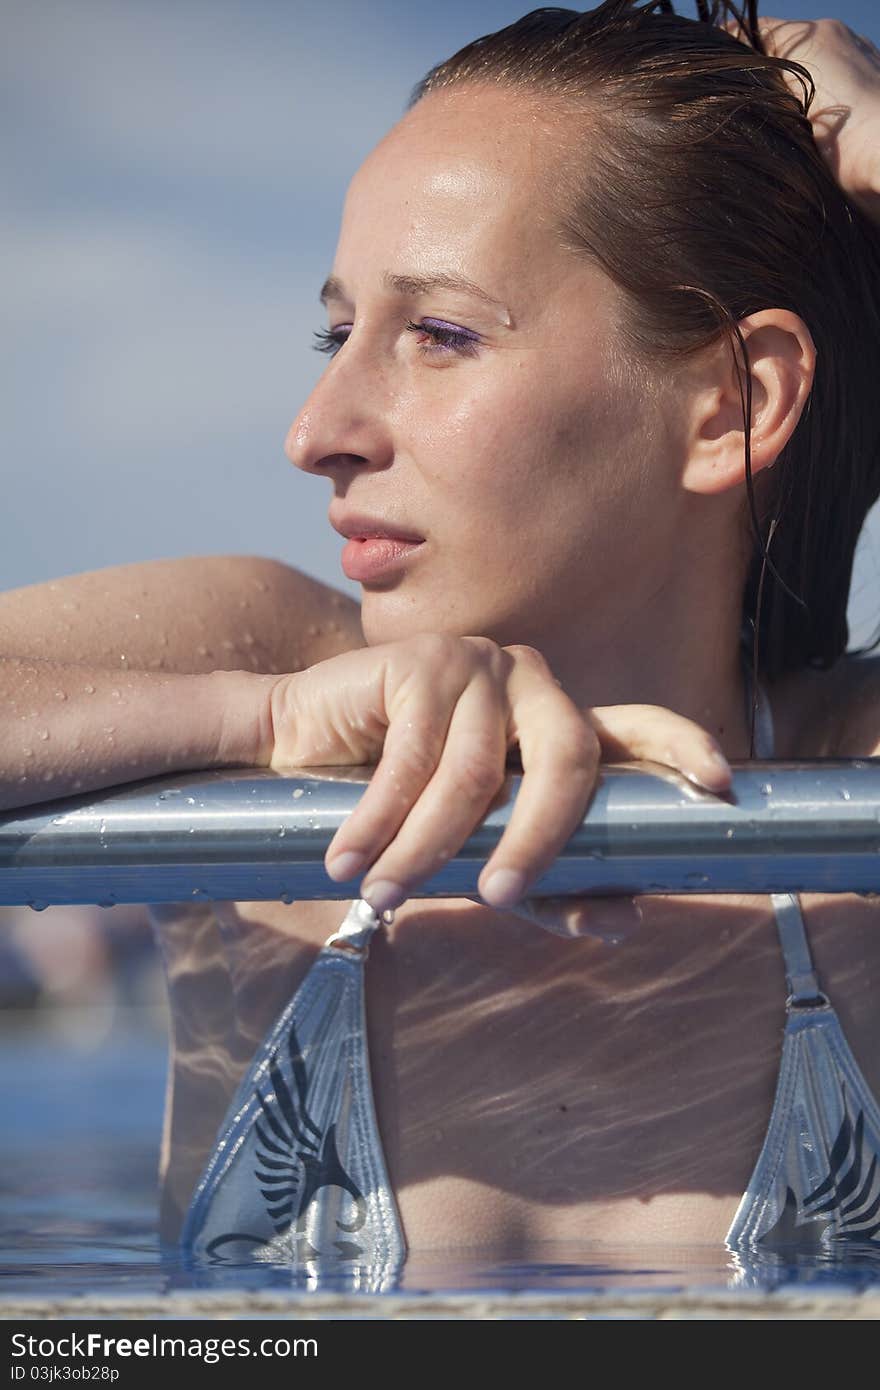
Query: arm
{"points": [[132, 671]]}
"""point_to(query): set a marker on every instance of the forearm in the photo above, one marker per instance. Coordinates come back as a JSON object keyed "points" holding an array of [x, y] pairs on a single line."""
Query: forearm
{"points": [[68, 728]]}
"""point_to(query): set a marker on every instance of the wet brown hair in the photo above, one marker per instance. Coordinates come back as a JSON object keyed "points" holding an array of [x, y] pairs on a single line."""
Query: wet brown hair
{"points": [[705, 198]]}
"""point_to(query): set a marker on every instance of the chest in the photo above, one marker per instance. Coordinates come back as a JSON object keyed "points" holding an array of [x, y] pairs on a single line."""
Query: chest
{"points": [[527, 1086]]}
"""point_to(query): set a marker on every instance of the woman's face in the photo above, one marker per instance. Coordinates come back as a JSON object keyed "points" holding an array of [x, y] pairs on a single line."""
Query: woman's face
{"points": [[537, 469]]}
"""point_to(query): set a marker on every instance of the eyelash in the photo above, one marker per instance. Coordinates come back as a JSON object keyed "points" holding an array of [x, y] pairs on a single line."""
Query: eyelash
{"points": [[444, 340]]}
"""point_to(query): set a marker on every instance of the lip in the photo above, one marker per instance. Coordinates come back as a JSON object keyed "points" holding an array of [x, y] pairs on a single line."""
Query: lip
{"points": [[357, 526], [366, 558]]}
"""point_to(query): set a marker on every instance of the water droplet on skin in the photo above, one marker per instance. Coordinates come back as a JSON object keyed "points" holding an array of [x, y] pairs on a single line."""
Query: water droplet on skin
{"points": [[286, 898], [137, 617], [36, 906], [44, 734], [89, 689], [313, 630], [60, 694], [729, 833], [202, 650], [248, 639], [844, 794], [244, 603], [116, 694], [298, 793], [28, 752]]}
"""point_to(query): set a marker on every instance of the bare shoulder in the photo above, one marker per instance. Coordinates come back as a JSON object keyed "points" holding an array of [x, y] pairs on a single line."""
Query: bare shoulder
{"points": [[196, 613], [833, 713]]}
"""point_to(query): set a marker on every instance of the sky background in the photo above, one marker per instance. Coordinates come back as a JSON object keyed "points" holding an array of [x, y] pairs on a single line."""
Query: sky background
{"points": [[174, 173]]}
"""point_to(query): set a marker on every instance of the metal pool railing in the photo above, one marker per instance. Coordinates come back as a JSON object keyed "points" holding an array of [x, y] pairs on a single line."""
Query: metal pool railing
{"points": [[252, 834]]}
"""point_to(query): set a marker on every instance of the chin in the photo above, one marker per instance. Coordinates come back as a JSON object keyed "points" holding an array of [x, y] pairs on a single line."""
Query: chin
{"points": [[394, 616]]}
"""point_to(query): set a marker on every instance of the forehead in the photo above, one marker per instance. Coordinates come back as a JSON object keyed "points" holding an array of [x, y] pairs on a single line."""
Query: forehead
{"points": [[469, 177]]}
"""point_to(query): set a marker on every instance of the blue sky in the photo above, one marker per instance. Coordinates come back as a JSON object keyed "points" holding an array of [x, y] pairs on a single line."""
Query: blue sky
{"points": [[174, 172]]}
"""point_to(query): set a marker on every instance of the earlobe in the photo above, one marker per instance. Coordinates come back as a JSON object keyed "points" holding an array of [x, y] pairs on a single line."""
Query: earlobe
{"points": [[782, 362]]}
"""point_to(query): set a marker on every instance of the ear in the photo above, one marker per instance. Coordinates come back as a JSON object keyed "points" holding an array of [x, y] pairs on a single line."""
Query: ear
{"points": [[782, 362]]}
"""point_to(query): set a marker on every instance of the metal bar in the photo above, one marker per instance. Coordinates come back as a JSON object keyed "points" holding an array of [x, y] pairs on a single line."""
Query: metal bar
{"points": [[252, 834]]}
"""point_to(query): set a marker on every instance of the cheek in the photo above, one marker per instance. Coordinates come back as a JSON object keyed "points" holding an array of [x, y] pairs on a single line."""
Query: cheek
{"points": [[533, 444]]}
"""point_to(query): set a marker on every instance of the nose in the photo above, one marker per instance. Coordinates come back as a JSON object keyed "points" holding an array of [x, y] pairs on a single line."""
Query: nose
{"points": [[344, 422]]}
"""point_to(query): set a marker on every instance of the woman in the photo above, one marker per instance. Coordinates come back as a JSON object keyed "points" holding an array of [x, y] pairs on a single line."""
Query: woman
{"points": [[587, 246]]}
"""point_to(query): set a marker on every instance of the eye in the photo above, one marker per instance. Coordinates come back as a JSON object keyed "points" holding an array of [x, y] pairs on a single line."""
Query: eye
{"points": [[444, 339], [330, 340]]}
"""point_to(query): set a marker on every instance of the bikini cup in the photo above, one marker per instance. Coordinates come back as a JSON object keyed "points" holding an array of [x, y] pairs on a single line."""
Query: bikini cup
{"points": [[298, 1175], [816, 1183]]}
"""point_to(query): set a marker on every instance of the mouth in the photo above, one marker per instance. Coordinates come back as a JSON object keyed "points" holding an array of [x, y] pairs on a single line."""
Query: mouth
{"points": [[366, 558]]}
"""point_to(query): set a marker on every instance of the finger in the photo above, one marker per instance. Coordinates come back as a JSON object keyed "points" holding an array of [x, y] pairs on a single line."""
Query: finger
{"points": [[610, 920], [468, 776], [412, 749], [560, 756], [651, 733]]}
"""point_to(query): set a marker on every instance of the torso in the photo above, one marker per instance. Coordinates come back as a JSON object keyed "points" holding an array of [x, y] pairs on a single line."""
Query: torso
{"points": [[530, 1088]]}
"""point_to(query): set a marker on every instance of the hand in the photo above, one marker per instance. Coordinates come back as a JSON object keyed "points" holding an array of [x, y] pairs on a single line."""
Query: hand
{"points": [[845, 113], [439, 714]]}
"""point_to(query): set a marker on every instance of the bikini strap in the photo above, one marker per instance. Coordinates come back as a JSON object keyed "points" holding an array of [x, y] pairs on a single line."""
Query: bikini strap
{"points": [[800, 972]]}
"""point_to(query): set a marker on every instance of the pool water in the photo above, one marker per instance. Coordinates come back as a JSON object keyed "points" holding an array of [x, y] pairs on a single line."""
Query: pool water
{"points": [[78, 1202]]}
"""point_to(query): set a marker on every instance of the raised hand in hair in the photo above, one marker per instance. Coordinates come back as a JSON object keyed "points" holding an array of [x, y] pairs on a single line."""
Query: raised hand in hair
{"points": [[845, 111]]}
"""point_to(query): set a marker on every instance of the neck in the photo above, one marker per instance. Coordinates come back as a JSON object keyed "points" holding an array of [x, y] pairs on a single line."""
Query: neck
{"points": [[690, 662]]}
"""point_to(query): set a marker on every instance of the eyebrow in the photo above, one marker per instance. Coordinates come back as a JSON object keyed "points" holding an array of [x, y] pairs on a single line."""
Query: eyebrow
{"points": [[414, 285]]}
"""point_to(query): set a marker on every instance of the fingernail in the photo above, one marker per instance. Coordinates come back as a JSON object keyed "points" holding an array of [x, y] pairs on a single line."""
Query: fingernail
{"points": [[612, 920], [346, 865], [716, 774], [383, 894], [503, 888]]}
